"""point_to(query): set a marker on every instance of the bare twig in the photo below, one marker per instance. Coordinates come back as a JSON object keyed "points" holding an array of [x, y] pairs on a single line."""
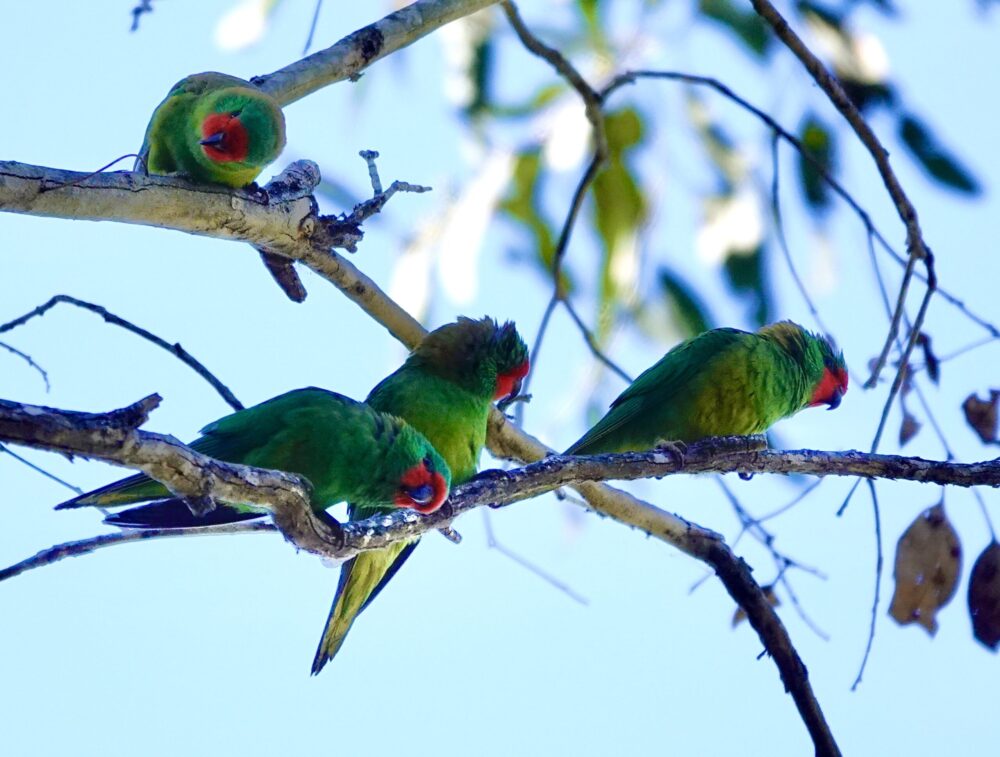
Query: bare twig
{"points": [[174, 349], [31, 363], [312, 26], [94, 543], [141, 8], [630, 77], [593, 102], [917, 249], [493, 543], [591, 341], [878, 583], [779, 226], [42, 471]]}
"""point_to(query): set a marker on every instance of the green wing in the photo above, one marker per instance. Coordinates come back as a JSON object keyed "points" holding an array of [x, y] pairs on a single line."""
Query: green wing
{"points": [[269, 434], [670, 377]]}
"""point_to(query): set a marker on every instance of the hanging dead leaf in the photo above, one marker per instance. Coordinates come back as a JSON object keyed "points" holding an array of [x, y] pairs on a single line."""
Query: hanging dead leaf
{"points": [[984, 597], [772, 599], [928, 562], [930, 359], [908, 429], [982, 415]]}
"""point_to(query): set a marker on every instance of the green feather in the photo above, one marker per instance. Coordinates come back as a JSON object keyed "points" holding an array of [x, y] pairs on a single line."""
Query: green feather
{"points": [[445, 390], [172, 141], [724, 382], [346, 450]]}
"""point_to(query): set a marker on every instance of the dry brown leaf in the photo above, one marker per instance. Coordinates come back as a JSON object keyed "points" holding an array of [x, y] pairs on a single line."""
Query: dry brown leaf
{"points": [[908, 429], [928, 562], [930, 359], [984, 596], [982, 415], [772, 599]]}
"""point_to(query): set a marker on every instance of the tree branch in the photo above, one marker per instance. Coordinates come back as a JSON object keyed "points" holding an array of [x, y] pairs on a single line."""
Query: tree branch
{"points": [[351, 55], [115, 438]]}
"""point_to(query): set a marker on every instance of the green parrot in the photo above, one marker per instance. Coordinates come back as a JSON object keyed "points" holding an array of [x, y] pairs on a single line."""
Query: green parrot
{"points": [[347, 450], [215, 129], [723, 382], [445, 390]]}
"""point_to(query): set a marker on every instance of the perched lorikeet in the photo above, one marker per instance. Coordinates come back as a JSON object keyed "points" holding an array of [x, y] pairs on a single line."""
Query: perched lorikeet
{"points": [[214, 128], [219, 129], [347, 450], [445, 390], [724, 382]]}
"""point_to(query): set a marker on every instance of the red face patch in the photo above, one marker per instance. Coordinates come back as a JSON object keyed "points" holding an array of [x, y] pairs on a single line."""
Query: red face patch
{"points": [[509, 383], [422, 490], [224, 138], [830, 389]]}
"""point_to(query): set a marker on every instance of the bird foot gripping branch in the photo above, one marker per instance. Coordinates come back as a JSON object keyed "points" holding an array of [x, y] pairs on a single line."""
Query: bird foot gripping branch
{"points": [[676, 450]]}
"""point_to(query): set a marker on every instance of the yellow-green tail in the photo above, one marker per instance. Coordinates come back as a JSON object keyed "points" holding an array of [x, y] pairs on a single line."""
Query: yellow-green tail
{"points": [[361, 579]]}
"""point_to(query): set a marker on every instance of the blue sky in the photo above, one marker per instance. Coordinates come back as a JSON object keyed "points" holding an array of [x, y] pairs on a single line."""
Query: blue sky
{"points": [[202, 646]]}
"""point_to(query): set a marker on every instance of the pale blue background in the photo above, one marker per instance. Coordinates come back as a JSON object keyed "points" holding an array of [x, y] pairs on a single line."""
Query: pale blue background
{"points": [[202, 646]]}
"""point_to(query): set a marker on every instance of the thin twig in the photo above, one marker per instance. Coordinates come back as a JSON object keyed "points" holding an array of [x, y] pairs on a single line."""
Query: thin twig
{"points": [[312, 26], [916, 248], [797, 605], [591, 341], [795, 500], [593, 108], [630, 77], [31, 363], [174, 349], [779, 226], [493, 543], [92, 544], [986, 514], [39, 469], [878, 583]]}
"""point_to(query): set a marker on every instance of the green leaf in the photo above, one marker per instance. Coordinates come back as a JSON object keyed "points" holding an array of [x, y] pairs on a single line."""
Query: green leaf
{"points": [[619, 206], [932, 155], [818, 140], [746, 275], [746, 25], [591, 11], [685, 307], [523, 206]]}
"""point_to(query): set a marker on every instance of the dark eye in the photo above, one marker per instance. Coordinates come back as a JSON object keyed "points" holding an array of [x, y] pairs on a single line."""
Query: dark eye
{"points": [[421, 494], [428, 463], [236, 113]]}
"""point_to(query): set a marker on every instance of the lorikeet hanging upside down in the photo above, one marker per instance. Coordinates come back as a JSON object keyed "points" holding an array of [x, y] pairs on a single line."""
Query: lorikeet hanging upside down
{"points": [[724, 382], [445, 390], [214, 128], [347, 450]]}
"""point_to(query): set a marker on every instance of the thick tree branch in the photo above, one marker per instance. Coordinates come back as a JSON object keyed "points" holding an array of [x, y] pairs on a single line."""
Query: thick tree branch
{"points": [[114, 437], [358, 50], [200, 480]]}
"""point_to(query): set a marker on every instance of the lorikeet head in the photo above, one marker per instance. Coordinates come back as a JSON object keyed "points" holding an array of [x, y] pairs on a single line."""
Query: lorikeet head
{"points": [[822, 364], [424, 485], [832, 384], [240, 125], [481, 356]]}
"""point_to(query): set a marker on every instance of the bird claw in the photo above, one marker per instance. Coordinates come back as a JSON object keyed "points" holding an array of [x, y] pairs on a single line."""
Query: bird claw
{"points": [[675, 449], [200, 505], [450, 534]]}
